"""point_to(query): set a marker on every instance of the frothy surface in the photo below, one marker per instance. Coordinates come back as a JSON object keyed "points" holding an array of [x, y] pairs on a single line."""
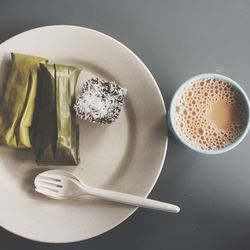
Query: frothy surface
{"points": [[210, 114]]}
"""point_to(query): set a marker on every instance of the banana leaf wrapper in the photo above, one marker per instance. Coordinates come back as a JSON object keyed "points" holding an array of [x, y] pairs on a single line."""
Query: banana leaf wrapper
{"points": [[57, 134], [18, 101]]}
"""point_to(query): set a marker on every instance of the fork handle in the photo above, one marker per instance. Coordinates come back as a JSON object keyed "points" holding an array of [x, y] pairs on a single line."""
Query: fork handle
{"points": [[133, 200]]}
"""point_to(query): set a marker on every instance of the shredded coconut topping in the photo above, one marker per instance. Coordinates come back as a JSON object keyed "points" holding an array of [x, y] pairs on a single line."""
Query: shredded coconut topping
{"points": [[100, 101]]}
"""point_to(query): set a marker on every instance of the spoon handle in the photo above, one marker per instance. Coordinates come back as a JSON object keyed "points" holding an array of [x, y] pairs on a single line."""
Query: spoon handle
{"points": [[133, 200]]}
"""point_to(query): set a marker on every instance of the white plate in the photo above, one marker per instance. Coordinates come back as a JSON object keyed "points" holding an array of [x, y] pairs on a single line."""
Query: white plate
{"points": [[125, 156]]}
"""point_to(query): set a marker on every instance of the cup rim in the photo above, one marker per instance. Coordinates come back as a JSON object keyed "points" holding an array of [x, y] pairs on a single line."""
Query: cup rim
{"points": [[218, 76]]}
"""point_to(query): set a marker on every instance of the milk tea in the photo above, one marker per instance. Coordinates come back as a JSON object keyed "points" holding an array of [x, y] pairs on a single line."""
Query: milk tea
{"points": [[210, 114]]}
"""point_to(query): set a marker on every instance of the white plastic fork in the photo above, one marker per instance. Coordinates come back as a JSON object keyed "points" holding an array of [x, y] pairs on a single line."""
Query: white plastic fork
{"points": [[59, 184]]}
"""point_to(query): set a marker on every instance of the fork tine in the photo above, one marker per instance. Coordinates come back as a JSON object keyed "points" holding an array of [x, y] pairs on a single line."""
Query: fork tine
{"points": [[48, 183], [47, 180], [49, 186], [54, 177], [39, 190], [49, 194], [46, 192]]}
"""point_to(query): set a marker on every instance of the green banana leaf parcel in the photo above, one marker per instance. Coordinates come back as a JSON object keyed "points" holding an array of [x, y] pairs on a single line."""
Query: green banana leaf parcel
{"points": [[57, 134], [18, 101]]}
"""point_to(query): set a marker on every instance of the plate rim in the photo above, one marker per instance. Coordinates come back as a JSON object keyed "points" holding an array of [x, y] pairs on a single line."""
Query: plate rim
{"points": [[162, 104]]}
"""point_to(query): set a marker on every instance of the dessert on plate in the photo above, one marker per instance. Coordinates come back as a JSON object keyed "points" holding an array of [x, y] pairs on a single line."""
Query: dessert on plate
{"points": [[38, 108], [100, 101], [18, 101], [56, 131]]}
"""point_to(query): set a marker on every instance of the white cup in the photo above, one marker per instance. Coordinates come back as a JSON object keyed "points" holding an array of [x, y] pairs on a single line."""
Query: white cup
{"points": [[177, 134]]}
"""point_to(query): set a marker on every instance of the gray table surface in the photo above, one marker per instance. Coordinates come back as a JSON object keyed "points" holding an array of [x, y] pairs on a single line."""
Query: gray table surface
{"points": [[176, 39]]}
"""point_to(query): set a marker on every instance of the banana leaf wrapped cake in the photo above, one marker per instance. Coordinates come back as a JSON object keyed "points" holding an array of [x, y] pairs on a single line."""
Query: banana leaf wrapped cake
{"points": [[57, 134], [18, 101]]}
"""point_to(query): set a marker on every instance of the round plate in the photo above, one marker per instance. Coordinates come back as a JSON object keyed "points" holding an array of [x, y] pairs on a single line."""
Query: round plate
{"points": [[125, 156]]}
